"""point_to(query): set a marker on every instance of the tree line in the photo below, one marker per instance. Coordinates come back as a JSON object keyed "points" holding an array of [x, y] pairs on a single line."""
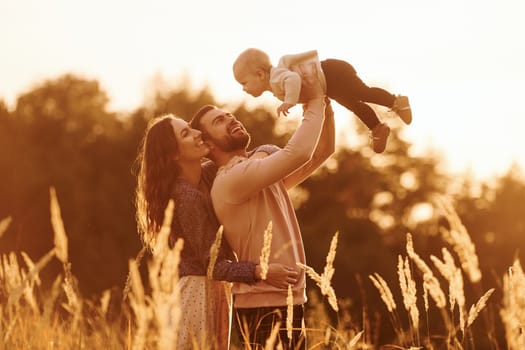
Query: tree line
{"points": [[62, 134]]}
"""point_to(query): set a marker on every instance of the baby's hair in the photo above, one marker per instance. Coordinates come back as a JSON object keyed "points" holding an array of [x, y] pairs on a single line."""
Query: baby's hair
{"points": [[254, 59]]}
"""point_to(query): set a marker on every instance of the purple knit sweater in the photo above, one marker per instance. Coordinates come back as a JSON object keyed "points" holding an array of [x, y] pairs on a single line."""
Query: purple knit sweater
{"points": [[194, 220]]}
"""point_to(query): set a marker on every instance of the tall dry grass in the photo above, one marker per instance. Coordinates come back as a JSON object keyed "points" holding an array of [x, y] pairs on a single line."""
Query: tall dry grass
{"points": [[58, 318], [513, 309], [324, 281], [456, 320], [61, 318]]}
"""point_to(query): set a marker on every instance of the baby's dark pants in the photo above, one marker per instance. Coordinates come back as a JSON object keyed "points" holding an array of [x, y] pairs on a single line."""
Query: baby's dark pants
{"points": [[345, 87]]}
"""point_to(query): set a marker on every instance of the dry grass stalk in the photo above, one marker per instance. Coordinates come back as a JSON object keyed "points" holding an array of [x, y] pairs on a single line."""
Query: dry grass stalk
{"points": [[265, 251], [328, 273], [318, 279], [459, 239], [513, 310], [18, 280], [289, 314], [453, 275], [402, 281], [332, 299], [29, 295], [447, 268], [457, 293], [12, 275], [165, 297], [127, 284], [51, 300], [327, 335], [476, 309], [2, 274], [431, 283], [4, 225], [425, 296], [104, 302], [214, 252], [31, 266], [384, 291], [408, 290], [353, 342], [164, 303], [270, 342], [140, 307], [74, 300], [311, 272], [164, 277], [329, 270], [60, 237], [324, 280]]}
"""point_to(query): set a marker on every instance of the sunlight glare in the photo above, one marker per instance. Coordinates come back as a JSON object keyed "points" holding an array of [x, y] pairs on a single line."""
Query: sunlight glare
{"points": [[421, 212]]}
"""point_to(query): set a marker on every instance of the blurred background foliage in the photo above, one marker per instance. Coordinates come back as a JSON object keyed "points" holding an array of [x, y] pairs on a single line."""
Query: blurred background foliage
{"points": [[61, 134]]}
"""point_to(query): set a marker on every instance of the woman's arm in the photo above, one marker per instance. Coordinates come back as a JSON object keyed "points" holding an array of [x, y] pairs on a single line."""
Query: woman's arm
{"points": [[195, 222], [278, 275]]}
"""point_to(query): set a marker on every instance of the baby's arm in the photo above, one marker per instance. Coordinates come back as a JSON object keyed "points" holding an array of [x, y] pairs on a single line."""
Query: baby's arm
{"points": [[287, 87], [292, 87]]}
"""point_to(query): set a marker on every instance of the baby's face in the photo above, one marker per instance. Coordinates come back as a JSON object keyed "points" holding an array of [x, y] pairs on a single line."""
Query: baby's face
{"points": [[252, 81]]}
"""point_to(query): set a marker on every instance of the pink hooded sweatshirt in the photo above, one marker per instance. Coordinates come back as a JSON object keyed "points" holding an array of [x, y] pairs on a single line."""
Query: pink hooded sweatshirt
{"points": [[249, 192]]}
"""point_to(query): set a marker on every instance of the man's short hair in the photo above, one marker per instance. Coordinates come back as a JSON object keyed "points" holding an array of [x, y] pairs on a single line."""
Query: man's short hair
{"points": [[195, 121]]}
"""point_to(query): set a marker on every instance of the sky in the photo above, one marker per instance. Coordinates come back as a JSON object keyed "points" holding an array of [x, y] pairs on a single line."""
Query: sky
{"points": [[461, 62]]}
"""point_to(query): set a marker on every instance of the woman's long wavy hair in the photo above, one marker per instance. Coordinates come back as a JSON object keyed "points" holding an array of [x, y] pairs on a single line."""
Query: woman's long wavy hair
{"points": [[157, 171]]}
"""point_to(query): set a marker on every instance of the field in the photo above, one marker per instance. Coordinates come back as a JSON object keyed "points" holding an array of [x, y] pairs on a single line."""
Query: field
{"points": [[146, 318]]}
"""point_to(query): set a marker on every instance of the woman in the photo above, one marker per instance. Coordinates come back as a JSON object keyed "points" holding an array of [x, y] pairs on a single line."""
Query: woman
{"points": [[172, 167]]}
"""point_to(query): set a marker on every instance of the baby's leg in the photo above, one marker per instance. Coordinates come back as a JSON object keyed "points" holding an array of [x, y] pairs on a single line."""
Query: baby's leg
{"points": [[363, 111], [345, 87], [343, 84]]}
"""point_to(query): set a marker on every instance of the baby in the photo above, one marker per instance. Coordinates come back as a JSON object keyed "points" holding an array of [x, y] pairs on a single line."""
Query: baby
{"points": [[254, 71]]}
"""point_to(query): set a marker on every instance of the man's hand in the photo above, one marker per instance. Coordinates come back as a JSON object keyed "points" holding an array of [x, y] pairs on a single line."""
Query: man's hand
{"points": [[311, 87], [283, 108], [328, 111]]}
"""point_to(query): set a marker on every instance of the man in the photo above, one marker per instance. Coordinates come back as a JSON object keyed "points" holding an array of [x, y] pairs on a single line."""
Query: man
{"points": [[250, 191]]}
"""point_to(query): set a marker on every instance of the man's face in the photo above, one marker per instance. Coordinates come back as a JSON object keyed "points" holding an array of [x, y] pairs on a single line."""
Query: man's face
{"points": [[224, 131]]}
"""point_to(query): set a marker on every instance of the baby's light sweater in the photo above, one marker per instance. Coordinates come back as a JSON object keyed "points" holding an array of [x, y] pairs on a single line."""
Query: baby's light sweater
{"points": [[248, 193], [285, 79]]}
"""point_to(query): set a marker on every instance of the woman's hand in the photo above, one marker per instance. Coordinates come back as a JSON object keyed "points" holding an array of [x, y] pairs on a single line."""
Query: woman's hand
{"points": [[279, 275]]}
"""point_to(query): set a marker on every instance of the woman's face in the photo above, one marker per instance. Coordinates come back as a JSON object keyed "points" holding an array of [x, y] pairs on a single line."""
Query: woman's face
{"points": [[191, 146]]}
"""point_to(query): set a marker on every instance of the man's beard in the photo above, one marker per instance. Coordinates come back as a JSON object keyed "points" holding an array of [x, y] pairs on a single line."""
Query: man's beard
{"points": [[231, 143]]}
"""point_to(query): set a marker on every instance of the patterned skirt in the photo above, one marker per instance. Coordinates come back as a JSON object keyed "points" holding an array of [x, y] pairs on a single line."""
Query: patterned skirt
{"points": [[206, 313]]}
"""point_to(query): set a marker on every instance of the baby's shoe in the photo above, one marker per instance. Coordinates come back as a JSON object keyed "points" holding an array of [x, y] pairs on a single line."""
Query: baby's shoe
{"points": [[402, 108], [379, 136]]}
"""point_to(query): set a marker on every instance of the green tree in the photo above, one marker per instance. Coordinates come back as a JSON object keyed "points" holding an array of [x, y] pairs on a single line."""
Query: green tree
{"points": [[66, 138]]}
